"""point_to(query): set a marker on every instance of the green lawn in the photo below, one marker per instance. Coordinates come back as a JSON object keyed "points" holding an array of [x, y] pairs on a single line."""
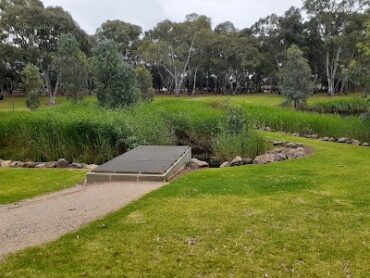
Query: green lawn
{"points": [[258, 99], [19, 184], [302, 218]]}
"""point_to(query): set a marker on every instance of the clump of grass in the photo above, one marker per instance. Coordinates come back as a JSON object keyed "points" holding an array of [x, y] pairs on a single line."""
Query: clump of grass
{"points": [[289, 120], [356, 106]]}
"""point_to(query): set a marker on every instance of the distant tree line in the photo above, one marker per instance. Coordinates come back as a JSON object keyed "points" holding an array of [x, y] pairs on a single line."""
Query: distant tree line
{"points": [[185, 56]]}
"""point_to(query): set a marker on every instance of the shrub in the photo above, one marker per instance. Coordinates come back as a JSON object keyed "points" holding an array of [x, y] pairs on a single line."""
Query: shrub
{"points": [[145, 83], [117, 85], [32, 82], [295, 77]]}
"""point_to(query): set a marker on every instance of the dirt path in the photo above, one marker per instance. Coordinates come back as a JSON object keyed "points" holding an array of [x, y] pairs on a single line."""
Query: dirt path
{"points": [[46, 218]]}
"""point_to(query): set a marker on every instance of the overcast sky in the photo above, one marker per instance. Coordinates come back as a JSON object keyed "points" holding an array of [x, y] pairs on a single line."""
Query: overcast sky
{"points": [[90, 14]]}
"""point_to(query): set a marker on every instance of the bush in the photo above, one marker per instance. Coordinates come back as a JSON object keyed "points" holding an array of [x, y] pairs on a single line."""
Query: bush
{"points": [[33, 83], [145, 83], [117, 85]]}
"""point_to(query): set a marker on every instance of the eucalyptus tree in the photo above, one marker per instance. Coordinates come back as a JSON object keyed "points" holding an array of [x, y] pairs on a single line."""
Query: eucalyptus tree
{"points": [[34, 30], [125, 35], [333, 19], [171, 46]]}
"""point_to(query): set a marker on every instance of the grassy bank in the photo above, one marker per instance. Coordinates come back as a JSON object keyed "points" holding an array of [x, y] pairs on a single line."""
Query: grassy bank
{"points": [[302, 218], [19, 184]]}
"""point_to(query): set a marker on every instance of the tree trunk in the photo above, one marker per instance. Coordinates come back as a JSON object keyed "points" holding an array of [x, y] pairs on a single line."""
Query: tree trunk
{"points": [[195, 80], [331, 70]]}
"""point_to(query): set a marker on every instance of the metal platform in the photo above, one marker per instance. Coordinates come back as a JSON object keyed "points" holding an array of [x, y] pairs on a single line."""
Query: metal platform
{"points": [[144, 163]]}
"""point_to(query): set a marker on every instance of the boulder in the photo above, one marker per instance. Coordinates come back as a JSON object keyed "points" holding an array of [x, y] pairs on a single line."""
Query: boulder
{"points": [[200, 163], [278, 143], [343, 140], [51, 164], [355, 142], [41, 165], [365, 144], [29, 164], [265, 159], [291, 145], [62, 163], [16, 164], [326, 139], [225, 164], [268, 129], [5, 163], [280, 157], [315, 136], [237, 161]]}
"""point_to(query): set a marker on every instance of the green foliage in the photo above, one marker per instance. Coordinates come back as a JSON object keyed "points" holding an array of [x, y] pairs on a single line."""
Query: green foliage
{"points": [[33, 84], [247, 144], [72, 65], [145, 83], [117, 85], [295, 77], [354, 107]]}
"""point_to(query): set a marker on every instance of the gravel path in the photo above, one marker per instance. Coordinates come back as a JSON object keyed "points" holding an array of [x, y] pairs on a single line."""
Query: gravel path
{"points": [[46, 218]]}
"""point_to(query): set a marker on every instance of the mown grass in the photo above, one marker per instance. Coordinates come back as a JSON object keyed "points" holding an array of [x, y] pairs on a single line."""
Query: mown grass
{"points": [[302, 218], [19, 184]]}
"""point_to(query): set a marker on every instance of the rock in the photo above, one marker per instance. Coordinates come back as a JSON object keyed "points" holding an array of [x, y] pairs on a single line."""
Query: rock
{"points": [[62, 163], [296, 134], [278, 143], [77, 165], [91, 166], [315, 136], [51, 164], [199, 163], [268, 129], [343, 140], [5, 163], [280, 157], [365, 144], [265, 159], [16, 164], [225, 164], [41, 165], [326, 139], [331, 139], [29, 164], [236, 161], [355, 142], [291, 145]]}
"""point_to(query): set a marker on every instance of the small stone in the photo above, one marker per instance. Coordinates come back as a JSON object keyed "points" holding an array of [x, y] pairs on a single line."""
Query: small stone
{"points": [[62, 163], [225, 164]]}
